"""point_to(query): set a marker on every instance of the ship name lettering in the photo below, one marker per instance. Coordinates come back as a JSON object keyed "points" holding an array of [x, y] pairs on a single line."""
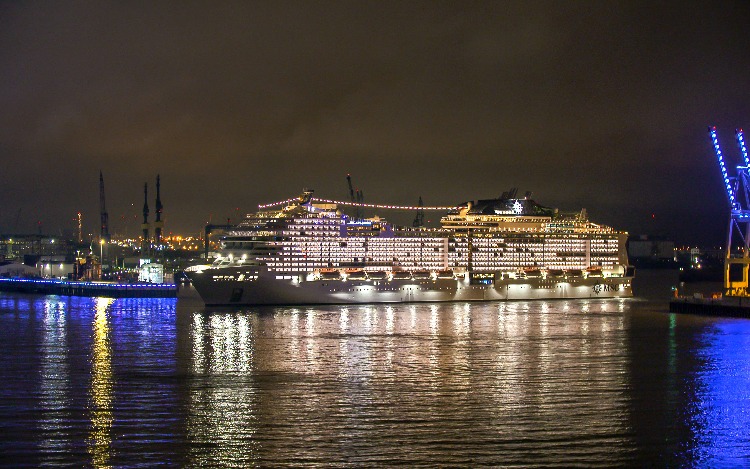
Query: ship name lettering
{"points": [[605, 287]]}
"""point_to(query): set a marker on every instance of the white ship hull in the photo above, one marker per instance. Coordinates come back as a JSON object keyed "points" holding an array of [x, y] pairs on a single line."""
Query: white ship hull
{"points": [[239, 286]]}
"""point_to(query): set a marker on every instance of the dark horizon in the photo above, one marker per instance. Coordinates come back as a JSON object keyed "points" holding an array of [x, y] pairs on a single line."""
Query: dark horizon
{"points": [[596, 105]]}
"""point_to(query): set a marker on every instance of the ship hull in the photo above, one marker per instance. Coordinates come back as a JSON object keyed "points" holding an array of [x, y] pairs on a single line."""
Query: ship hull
{"points": [[228, 286]]}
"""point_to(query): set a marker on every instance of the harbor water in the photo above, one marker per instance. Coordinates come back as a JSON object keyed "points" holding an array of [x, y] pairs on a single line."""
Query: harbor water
{"points": [[102, 382]]}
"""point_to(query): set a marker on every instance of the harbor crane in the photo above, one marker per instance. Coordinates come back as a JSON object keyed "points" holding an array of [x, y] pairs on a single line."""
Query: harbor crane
{"points": [[158, 223], [419, 219], [104, 216], [146, 244], [737, 255], [357, 197]]}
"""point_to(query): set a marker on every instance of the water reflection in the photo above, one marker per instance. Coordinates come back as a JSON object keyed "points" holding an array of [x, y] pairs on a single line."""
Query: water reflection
{"points": [[222, 398], [375, 379], [720, 417], [54, 382], [100, 438], [582, 382]]}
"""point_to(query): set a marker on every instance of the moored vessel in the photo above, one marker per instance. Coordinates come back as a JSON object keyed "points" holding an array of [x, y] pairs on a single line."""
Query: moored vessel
{"points": [[309, 252]]}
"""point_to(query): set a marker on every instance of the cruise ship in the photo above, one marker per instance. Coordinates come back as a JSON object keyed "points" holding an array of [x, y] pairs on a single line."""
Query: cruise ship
{"points": [[307, 251]]}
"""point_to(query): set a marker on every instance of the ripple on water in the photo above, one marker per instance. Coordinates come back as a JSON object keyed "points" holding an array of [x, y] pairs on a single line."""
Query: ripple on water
{"points": [[140, 382]]}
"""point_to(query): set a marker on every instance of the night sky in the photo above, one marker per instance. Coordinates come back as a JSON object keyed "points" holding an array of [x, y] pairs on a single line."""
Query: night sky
{"points": [[601, 105]]}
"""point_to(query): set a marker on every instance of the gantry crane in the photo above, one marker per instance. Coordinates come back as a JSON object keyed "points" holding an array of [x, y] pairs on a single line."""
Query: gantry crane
{"points": [[737, 255]]}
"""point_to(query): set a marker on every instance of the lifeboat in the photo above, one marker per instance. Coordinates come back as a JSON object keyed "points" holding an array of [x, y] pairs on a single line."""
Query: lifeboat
{"points": [[377, 275], [532, 273], [594, 272], [445, 274], [555, 273], [330, 275], [421, 274], [574, 273], [356, 274], [402, 275]]}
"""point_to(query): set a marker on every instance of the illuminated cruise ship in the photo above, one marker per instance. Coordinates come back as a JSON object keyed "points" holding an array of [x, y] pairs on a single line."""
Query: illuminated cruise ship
{"points": [[307, 251]]}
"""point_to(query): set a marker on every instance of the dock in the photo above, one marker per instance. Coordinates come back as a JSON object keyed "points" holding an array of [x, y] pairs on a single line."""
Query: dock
{"points": [[88, 288], [732, 307]]}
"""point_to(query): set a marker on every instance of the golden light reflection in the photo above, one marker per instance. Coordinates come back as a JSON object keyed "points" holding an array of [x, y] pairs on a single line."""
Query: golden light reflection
{"points": [[100, 439]]}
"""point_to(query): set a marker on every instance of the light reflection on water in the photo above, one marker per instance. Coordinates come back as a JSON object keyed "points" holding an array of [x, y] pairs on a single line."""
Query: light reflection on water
{"points": [[721, 417], [385, 378], [100, 438], [222, 397], [103, 383], [54, 383]]}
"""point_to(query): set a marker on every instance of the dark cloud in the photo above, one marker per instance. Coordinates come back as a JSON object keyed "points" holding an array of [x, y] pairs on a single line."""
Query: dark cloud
{"points": [[595, 104]]}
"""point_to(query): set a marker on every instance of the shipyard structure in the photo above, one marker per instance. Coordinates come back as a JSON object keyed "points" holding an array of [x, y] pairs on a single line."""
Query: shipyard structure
{"points": [[306, 251]]}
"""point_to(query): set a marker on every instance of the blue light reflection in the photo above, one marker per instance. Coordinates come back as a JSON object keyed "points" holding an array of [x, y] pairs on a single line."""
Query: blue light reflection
{"points": [[722, 401]]}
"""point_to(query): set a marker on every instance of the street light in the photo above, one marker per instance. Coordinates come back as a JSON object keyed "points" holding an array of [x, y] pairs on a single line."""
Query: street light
{"points": [[101, 258]]}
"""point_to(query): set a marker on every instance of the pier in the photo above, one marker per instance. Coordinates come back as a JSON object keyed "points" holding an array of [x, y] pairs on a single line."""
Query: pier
{"points": [[76, 288], [733, 307]]}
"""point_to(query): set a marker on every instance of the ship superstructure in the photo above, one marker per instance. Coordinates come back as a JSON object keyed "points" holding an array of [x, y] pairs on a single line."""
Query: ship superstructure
{"points": [[309, 252]]}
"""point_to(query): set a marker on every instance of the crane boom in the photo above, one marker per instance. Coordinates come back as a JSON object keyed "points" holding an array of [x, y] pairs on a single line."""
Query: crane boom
{"points": [[724, 174], [743, 148], [351, 188], [356, 198]]}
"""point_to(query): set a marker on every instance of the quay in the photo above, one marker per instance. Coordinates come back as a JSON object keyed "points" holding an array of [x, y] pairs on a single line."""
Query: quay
{"points": [[733, 307], [82, 288]]}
